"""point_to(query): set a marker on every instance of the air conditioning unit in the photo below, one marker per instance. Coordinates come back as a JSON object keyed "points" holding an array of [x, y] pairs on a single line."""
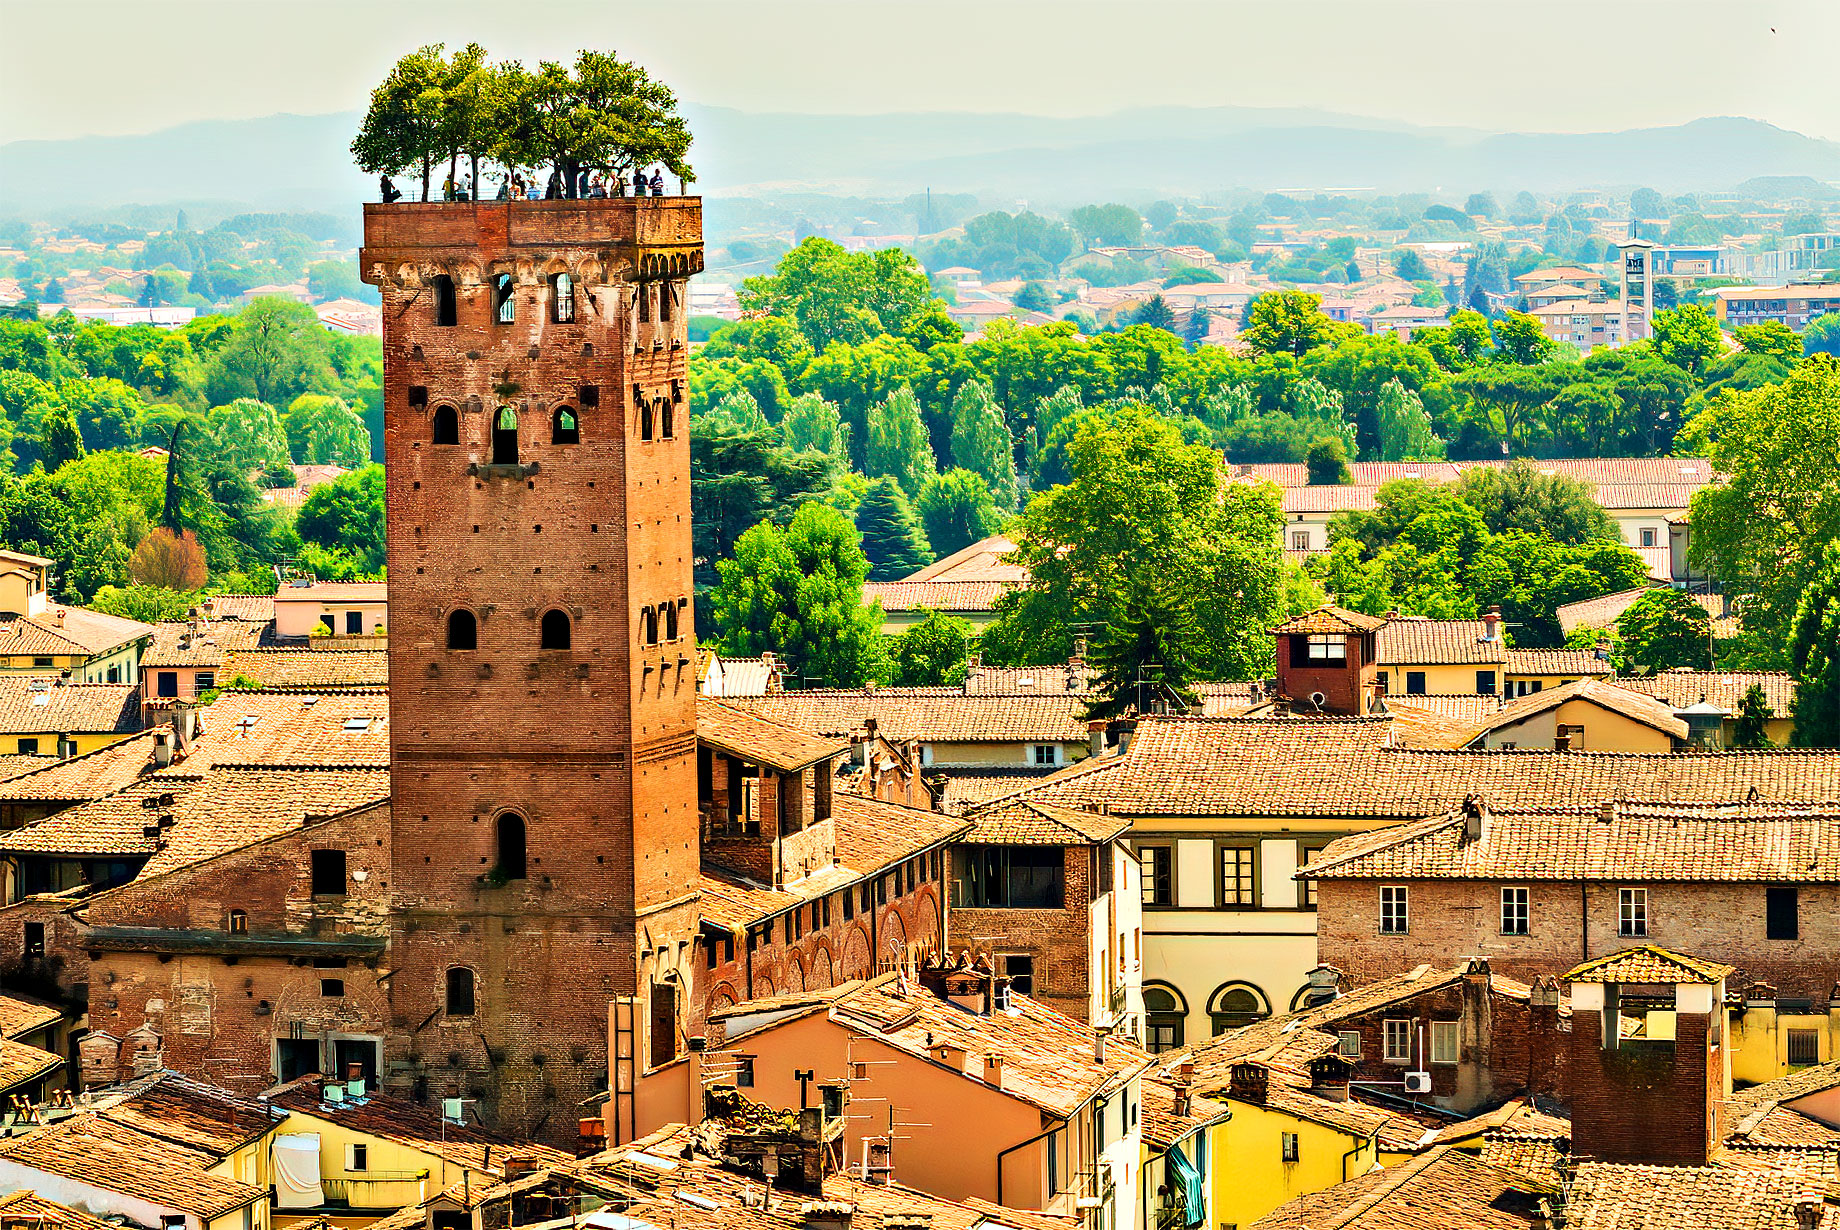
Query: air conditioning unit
{"points": [[1418, 1082]]}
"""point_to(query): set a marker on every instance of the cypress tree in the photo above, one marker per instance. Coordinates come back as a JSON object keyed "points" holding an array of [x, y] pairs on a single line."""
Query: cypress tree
{"points": [[891, 533]]}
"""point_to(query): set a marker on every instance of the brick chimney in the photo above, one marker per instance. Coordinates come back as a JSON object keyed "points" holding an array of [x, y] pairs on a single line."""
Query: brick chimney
{"points": [[1247, 1082], [1491, 624], [1329, 1076], [1474, 817], [993, 1069], [1637, 1099]]}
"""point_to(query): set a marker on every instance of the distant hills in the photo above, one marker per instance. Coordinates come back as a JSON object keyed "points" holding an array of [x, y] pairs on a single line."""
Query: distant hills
{"points": [[300, 162]]}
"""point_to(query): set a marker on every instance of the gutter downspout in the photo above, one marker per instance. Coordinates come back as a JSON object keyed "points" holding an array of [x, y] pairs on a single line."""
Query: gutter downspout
{"points": [[1372, 1142], [1584, 922], [1002, 1153]]}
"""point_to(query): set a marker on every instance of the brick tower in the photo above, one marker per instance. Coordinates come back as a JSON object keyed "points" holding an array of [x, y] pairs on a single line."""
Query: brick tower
{"points": [[543, 675]]}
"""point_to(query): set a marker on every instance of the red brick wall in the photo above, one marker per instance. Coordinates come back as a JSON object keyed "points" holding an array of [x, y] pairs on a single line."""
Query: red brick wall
{"points": [[593, 745], [216, 1015], [824, 955], [1454, 919], [1061, 941], [1344, 688], [1650, 1104]]}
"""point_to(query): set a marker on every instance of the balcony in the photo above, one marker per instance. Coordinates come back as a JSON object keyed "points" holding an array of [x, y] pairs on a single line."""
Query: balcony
{"points": [[377, 1189]]}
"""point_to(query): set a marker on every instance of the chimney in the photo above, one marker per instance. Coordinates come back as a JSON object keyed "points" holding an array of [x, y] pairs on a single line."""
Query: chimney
{"points": [[1808, 1207], [951, 1056], [869, 726], [1393, 614], [1099, 1043], [1255, 692], [1095, 737], [993, 1069], [57, 616], [1601, 650], [1247, 1082], [826, 1214], [183, 728], [1491, 624], [1606, 811], [1329, 1077], [1079, 649], [1473, 815], [1325, 983], [162, 748]]}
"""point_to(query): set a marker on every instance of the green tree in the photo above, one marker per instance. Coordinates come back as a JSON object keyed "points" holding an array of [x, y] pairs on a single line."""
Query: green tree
{"points": [[323, 430], [898, 445], [1754, 716], [276, 350], [1155, 312], [839, 296], [1140, 501], [981, 442], [247, 434], [812, 424], [346, 517], [1518, 496], [1327, 462], [1822, 336], [798, 592], [932, 652], [1107, 226], [1772, 339], [1288, 322], [1410, 266], [59, 439], [150, 604], [607, 114], [1405, 428], [956, 511], [1145, 656], [402, 125], [741, 478], [1688, 337], [1520, 339], [1663, 629], [1762, 529], [891, 535], [739, 412], [1814, 656]]}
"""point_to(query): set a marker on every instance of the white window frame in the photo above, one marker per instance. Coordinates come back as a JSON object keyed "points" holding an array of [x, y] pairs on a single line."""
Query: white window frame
{"points": [[1348, 1043], [1054, 755], [1632, 913], [1445, 1042], [1395, 910], [1396, 1040], [1516, 906]]}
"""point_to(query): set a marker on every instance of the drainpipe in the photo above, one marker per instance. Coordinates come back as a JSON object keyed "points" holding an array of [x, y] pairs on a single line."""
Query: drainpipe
{"points": [[1372, 1142], [1584, 922], [1002, 1153]]}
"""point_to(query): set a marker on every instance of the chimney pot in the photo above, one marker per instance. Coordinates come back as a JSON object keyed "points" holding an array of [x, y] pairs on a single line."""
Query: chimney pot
{"points": [[1099, 1044], [1606, 811]]}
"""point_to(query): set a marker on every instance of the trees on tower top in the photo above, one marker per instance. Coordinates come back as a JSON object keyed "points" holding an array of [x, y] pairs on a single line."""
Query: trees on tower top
{"points": [[601, 114]]}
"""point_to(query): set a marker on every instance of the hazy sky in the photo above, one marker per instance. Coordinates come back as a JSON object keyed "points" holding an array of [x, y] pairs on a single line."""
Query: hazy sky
{"points": [[75, 67]]}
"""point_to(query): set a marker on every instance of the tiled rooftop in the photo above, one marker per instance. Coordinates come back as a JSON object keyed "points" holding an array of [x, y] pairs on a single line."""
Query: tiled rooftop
{"points": [[1612, 1197], [187, 1113], [1437, 642], [1262, 767], [981, 561], [783, 748], [39, 704], [412, 1125], [69, 630], [20, 1016], [205, 643], [1328, 620], [1725, 689], [932, 715], [1446, 1189], [1645, 710], [1648, 964], [89, 1148], [1556, 662], [308, 668], [1746, 843], [947, 596]]}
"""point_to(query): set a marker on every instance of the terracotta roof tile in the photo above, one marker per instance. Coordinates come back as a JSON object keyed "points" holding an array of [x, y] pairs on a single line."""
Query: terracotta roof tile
{"points": [[783, 748], [208, 643], [947, 596], [333, 591], [78, 631], [1019, 822], [1445, 1189], [1556, 662], [34, 704], [254, 608], [1073, 676], [187, 1113], [1612, 1197], [20, 1015], [91, 1149], [1262, 767], [1647, 963], [970, 786], [1633, 705], [1328, 620], [1744, 843], [1724, 689], [1437, 642], [21, 1064], [1162, 1126], [1442, 724], [981, 561], [309, 668], [932, 715], [25, 1206]]}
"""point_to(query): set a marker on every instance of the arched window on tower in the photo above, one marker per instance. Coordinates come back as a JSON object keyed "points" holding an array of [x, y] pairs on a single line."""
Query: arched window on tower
{"points": [[460, 998], [555, 630], [446, 425], [511, 846], [462, 630], [645, 303], [446, 311], [647, 418], [562, 298], [666, 413], [648, 626], [670, 621], [504, 299], [505, 437], [563, 426]]}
